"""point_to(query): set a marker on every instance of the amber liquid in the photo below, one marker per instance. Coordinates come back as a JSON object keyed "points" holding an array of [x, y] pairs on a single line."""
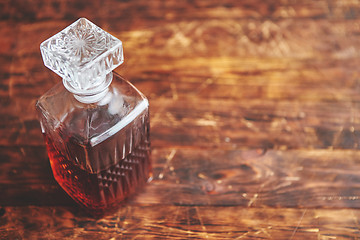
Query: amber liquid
{"points": [[103, 192]]}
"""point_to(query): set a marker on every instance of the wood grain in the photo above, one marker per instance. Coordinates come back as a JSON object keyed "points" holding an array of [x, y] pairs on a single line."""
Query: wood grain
{"points": [[141, 12], [192, 177], [182, 222], [223, 124]]}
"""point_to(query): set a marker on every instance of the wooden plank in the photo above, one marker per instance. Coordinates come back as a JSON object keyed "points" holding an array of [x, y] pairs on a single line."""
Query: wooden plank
{"points": [[226, 124], [305, 80], [248, 178], [143, 12], [270, 124], [171, 46], [246, 79], [179, 222]]}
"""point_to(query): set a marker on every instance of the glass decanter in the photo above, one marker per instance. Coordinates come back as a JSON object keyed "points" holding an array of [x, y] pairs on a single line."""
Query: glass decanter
{"points": [[95, 123]]}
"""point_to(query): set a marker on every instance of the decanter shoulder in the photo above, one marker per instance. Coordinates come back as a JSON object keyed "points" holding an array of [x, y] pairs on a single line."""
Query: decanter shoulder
{"points": [[91, 123]]}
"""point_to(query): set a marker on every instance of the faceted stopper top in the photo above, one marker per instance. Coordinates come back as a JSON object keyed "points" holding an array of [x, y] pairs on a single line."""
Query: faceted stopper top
{"points": [[84, 55]]}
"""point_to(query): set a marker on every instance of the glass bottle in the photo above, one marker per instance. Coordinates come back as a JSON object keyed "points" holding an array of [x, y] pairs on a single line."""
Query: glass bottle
{"points": [[95, 123]]}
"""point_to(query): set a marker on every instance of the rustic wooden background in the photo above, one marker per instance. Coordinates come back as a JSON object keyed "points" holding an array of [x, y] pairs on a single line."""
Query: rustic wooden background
{"points": [[255, 120]]}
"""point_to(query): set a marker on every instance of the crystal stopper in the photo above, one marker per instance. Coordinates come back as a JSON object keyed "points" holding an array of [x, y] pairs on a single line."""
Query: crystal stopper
{"points": [[84, 55]]}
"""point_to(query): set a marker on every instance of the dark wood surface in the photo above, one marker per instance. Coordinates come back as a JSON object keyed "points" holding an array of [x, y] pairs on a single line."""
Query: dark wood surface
{"points": [[255, 121]]}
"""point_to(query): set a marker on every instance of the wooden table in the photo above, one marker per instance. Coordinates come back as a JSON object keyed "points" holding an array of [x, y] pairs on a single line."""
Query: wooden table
{"points": [[255, 120]]}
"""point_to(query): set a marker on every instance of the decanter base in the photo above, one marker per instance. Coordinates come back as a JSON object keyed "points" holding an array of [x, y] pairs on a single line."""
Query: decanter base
{"points": [[103, 192]]}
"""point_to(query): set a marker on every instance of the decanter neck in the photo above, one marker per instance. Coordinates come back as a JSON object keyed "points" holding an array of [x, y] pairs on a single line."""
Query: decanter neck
{"points": [[93, 94]]}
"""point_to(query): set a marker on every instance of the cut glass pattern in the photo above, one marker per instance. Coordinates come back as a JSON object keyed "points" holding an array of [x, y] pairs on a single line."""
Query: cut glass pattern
{"points": [[82, 54]]}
